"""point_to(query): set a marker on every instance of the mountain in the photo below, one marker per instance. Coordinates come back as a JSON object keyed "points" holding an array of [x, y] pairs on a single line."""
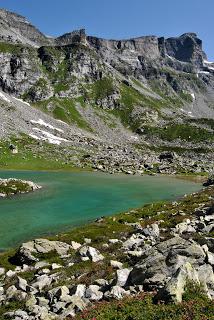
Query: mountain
{"points": [[122, 102]]}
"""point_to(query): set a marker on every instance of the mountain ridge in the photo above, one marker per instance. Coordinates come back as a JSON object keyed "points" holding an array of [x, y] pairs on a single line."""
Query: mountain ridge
{"points": [[149, 91]]}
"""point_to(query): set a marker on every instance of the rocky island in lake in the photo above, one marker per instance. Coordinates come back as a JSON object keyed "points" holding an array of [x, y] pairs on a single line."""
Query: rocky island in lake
{"points": [[13, 186]]}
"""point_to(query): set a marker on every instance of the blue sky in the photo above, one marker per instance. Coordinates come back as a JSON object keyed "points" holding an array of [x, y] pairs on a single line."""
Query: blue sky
{"points": [[121, 18]]}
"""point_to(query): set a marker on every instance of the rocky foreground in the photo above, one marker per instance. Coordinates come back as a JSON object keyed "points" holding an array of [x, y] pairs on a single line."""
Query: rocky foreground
{"points": [[13, 186], [159, 248]]}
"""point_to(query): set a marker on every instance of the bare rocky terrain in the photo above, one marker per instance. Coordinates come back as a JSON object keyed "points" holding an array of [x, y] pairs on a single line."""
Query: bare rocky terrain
{"points": [[122, 103]]}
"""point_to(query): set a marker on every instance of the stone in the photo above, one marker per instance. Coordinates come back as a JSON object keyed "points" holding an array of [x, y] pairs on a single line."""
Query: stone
{"points": [[152, 231], [27, 250], [174, 289], [116, 292], [91, 253], [31, 302], [41, 264], [2, 271], [113, 241], [116, 264], [10, 273], [93, 293], [77, 303], [21, 284], [56, 266], [17, 315], [122, 277], [42, 282], [135, 241], [79, 290], [75, 245], [42, 302], [206, 278], [13, 294]]}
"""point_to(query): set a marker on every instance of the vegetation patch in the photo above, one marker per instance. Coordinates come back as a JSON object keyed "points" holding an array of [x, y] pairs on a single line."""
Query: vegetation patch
{"points": [[195, 306], [180, 131]]}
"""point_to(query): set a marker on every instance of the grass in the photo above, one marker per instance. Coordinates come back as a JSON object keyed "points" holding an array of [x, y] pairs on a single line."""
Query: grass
{"points": [[196, 306], [34, 156], [64, 109], [183, 131], [102, 89], [14, 48]]}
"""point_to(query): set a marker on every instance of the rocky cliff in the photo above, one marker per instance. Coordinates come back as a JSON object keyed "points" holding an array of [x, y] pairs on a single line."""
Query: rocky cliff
{"points": [[146, 91]]}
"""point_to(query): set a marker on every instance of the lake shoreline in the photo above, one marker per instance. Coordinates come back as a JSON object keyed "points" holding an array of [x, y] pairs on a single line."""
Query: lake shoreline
{"points": [[112, 248], [85, 220]]}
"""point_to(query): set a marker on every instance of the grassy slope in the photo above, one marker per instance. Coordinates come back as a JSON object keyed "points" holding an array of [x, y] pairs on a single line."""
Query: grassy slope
{"points": [[33, 157]]}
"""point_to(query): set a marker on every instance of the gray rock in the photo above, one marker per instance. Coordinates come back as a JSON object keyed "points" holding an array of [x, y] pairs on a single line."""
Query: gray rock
{"points": [[174, 289], [122, 277], [90, 253], [78, 290], [152, 231], [116, 264], [116, 292], [42, 282], [21, 284], [206, 278], [93, 293]]}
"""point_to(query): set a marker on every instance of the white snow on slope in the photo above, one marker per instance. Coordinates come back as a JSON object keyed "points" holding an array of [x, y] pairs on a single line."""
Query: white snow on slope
{"points": [[47, 125], [192, 95], [2, 96], [203, 72], [49, 136], [22, 101], [208, 62]]}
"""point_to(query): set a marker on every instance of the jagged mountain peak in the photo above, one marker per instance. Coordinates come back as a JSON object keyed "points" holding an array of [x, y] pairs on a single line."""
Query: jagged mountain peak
{"points": [[15, 28]]}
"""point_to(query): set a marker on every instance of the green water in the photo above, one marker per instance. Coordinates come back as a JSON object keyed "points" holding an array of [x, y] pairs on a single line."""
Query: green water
{"points": [[70, 199]]}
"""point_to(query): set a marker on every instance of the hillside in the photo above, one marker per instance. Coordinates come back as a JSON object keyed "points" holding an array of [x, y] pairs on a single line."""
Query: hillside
{"points": [[119, 104]]}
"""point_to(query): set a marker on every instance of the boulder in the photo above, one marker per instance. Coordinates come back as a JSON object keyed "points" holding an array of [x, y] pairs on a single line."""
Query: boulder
{"points": [[206, 278], [91, 253], [174, 289], [93, 293], [42, 282], [27, 250], [152, 231], [116, 292], [122, 277], [116, 264]]}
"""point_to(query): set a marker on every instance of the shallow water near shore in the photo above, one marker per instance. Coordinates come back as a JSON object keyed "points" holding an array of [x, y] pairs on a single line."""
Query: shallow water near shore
{"points": [[73, 198]]}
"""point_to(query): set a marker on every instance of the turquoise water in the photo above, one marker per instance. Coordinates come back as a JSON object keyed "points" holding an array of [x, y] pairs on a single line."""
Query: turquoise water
{"points": [[70, 199]]}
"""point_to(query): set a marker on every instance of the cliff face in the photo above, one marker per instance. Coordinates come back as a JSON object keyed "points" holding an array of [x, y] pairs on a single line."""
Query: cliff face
{"points": [[138, 84]]}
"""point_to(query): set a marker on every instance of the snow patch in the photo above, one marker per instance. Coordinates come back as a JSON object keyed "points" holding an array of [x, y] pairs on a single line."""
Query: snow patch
{"points": [[47, 125], [34, 136], [192, 95], [208, 62], [2, 96], [50, 137], [203, 72], [22, 101]]}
